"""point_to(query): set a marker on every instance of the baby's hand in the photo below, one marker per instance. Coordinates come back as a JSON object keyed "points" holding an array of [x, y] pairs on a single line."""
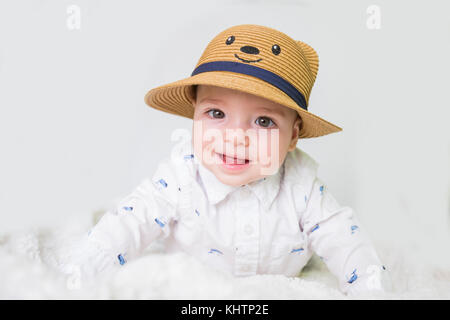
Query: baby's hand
{"points": [[375, 283], [83, 261]]}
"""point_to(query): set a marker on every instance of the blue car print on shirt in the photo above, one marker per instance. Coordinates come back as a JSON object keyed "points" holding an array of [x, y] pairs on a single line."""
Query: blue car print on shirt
{"points": [[297, 250], [127, 208], [215, 251], [159, 222], [162, 182], [353, 276], [188, 157], [321, 189], [315, 228], [354, 228], [122, 261]]}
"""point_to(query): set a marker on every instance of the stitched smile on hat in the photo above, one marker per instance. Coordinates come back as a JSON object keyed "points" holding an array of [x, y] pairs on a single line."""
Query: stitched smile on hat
{"points": [[246, 60], [255, 59]]}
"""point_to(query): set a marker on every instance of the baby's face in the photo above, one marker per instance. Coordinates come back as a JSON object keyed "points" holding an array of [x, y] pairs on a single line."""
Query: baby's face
{"points": [[257, 132]]}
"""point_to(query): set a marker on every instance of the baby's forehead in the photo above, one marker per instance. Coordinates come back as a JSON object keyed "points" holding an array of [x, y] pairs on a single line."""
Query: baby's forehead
{"points": [[225, 97]]}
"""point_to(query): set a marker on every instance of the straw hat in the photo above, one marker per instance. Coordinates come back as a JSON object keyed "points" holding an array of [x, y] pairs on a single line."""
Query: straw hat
{"points": [[254, 59]]}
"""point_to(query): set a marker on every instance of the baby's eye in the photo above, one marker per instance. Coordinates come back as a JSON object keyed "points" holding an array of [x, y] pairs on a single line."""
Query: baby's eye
{"points": [[216, 113], [265, 122]]}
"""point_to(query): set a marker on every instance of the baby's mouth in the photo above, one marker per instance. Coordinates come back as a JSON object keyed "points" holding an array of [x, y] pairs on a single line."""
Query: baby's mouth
{"points": [[232, 160]]}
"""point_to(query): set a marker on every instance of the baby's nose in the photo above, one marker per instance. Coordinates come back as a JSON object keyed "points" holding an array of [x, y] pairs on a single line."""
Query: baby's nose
{"points": [[237, 136]]}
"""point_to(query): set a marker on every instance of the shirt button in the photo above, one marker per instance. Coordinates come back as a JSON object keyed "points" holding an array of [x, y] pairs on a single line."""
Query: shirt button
{"points": [[244, 193], [248, 229], [245, 268]]}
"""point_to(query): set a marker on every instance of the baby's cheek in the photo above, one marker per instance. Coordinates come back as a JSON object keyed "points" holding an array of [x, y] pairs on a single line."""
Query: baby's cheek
{"points": [[270, 146], [202, 136], [203, 141]]}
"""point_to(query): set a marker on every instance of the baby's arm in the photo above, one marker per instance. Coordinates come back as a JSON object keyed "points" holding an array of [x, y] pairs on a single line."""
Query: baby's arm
{"points": [[123, 233], [341, 242]]}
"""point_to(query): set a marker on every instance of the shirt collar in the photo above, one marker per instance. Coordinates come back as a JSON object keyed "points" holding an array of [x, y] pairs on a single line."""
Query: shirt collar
{"points": [[265, 189]]}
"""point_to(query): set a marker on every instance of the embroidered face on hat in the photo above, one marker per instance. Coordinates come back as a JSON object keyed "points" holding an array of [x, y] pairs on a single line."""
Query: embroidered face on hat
{"points": [[266, 54]]}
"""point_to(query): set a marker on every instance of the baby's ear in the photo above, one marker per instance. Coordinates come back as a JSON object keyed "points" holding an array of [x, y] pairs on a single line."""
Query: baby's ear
{"points": [[298, 124], [295, 133]]}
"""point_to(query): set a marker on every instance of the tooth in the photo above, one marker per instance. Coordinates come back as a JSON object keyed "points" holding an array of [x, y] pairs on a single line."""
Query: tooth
{"points": [[234, 160]]}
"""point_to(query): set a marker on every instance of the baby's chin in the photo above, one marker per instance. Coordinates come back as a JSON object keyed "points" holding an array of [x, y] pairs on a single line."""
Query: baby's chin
{"points": [[236, 179], [233, 181]]}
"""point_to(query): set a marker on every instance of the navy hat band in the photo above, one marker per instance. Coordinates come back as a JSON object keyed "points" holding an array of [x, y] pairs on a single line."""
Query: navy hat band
{"points": [[257, 72]]}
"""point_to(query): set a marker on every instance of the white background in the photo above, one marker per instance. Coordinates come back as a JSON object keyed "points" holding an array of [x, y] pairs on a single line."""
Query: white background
{"points": [[75, 133]]}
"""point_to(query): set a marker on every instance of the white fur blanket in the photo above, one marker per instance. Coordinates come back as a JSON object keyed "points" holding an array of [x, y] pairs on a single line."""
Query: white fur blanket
{"points": [[29, 257]]}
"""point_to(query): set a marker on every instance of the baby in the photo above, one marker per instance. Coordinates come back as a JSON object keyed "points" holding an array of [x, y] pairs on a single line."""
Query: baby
{"points": [[239, 194]]}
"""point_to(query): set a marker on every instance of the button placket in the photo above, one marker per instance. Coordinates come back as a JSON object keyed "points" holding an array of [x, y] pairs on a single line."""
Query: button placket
{"points": [[247, 233], [245, 268], [248, 229], [244, 194]]}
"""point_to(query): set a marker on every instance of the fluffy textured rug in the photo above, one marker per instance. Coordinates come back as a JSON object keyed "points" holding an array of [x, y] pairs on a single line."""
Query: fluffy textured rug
{"points": [[29, 259]]}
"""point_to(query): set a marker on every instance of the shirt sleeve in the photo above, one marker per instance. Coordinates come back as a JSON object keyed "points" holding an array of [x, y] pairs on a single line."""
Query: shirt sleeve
{"points": [[123, 233], [339, 239]]}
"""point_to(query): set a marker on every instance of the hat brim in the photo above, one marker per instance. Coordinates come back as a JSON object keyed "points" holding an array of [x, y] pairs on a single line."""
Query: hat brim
{"points": [[177, 98]]}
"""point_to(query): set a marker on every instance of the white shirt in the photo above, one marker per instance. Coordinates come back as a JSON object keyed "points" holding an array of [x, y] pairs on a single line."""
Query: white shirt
{"points": [[269, 226]]}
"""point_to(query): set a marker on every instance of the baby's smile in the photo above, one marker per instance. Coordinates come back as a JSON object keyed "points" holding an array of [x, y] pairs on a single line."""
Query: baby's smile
{"points": [[232, 163], [232, 159]]}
